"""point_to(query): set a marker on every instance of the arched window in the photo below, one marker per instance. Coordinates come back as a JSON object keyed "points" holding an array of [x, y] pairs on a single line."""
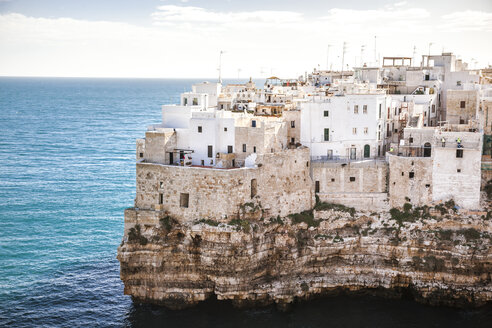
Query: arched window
{"points": [[367, 151]]}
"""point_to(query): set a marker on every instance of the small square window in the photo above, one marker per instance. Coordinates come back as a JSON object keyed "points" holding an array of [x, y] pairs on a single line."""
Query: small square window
{"points": [[184, 200], [427, 185], [326, 113], [459, 153], [161, 184], [356, 109], [366, 130], [253, 124], [229, 149], [199, 129], [458, 170], [410, 140], [141, 155], [292, 124], [462, 104], [332, 180], [225, 129], [352, 179], [411, 175]]}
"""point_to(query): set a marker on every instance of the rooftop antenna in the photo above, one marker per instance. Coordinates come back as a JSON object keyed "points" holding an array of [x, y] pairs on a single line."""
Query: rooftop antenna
{"points": [[343, 55], [328, 57], [428, 57], [220, 66], [375, 51], [362, 49], [414, 56]]}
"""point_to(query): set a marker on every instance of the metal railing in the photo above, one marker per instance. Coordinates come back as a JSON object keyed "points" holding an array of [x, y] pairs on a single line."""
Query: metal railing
{"points": [[344, 159]]}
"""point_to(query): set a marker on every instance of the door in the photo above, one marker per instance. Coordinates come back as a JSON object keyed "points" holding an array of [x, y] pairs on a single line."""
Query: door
{"points": [[367, 151], [427, 149], [171, 157], [353, 153]]}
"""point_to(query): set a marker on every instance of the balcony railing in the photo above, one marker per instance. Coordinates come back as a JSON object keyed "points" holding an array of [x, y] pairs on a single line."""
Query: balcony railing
{"points": [[344, 159]]}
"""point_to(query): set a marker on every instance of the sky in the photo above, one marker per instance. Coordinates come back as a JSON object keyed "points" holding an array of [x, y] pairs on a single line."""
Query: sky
{"points": [[183, 38]]}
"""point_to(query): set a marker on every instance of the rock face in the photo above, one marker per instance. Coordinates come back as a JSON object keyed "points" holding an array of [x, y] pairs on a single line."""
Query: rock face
{"points": [[438, 259]]}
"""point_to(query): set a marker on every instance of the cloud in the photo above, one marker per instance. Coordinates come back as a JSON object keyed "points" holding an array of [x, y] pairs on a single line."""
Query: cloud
{"points": [[184, 41], [468, 20]]}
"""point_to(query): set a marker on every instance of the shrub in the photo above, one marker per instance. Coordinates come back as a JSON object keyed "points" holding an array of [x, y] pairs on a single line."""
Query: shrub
{"points": [[401, 217], [450, 204], [276, 220], [210, 222], [407, 207], [306, 217], [337, 207], [488, 189], [167, 222], [445, 234], [470, 234], [135, 235], [241, 224]]}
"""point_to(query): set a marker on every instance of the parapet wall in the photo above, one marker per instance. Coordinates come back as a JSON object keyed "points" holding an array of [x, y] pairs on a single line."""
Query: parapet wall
{"points": [[280, 184]]}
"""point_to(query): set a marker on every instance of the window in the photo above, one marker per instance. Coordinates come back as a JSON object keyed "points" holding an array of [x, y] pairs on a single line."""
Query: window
{"points": [[353, 153], [184, 200], [329, 153], [229, 149], [366, 130], [225, 129], [410, 140], [352, 179], [402, 174], [354, 130], [462, 104], [332, 179], [254, 149], [195, 101], [141, 155], [427, 185], [326, 113], [254, 188], [292, 124], [221, 106], [253, 124], [458, 170], [199, 129], [244, 148], [161, 184], [364, 109], [411, 175], [380, 108], [316, 186], [327, 135], [161, 198], [210, 151], [356, 109], [459, 153], [186, 101], [433, 108], [203, 162]]}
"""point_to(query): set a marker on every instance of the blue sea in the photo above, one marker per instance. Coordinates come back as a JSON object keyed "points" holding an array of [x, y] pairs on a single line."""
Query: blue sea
{"points": [[67, 172]]}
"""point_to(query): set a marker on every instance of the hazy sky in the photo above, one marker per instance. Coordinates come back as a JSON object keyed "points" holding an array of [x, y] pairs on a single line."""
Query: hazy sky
{"points": [[182, 38]]}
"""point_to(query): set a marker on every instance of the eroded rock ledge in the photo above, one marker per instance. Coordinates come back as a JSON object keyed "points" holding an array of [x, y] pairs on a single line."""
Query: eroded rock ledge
{"points": [[443, 259]]}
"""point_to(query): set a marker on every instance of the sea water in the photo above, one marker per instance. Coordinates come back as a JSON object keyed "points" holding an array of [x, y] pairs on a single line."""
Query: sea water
{"points": [[67, 172]]}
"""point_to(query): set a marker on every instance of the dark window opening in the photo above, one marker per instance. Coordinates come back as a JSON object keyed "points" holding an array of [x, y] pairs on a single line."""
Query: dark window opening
{"points": [[293, 140], [253, 124], [292, 124], [458, 170], [141, 155], [195, 101], [316, 186], [233, 163], [410, 140], [244, 148], [427, 185], [229, 149], [254, 149], [161, 184], [184, 200], [254, 188], [210, 151], [225, 129], [459, 153], [203, 162], [411, 175], [199, 129], [402, 174], [161, 198], [327, 135], [332, 180], [462, 104], [326, 113], [352, 179]]}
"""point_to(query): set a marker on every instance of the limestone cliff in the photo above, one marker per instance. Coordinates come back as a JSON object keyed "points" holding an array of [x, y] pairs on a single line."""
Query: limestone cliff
{"points": [[436, 255]]}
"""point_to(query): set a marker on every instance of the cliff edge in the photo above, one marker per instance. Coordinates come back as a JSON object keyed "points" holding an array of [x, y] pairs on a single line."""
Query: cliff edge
{"points": [[436, 255]]}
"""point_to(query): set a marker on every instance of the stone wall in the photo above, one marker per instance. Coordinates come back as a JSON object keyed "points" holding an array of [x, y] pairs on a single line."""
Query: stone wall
{"points": [[362, 185], [293, 132], [158, 144], [454, 112], [404, 186], [283, 186]]}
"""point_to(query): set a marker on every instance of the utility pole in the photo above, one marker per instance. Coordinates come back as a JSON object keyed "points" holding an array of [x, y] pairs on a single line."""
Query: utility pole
{"points": [[343, 55], [428, 57], [220, 66], [362, 49], [328, 57]]}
